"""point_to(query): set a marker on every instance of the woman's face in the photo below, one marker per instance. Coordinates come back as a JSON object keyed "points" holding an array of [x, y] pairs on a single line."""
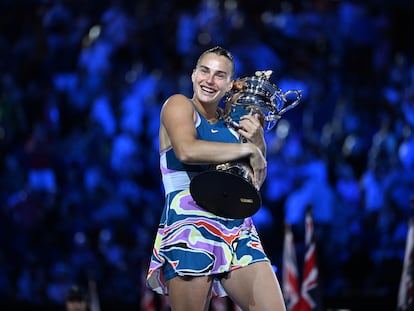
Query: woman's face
{"points": [[212, 78]]}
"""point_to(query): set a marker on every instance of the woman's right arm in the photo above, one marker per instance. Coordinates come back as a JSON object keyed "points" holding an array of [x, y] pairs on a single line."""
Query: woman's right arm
{"points": [[177, 124]]}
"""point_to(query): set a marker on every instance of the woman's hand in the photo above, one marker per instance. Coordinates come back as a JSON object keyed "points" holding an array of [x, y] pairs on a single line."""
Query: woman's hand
{"points": [[252, 130]]}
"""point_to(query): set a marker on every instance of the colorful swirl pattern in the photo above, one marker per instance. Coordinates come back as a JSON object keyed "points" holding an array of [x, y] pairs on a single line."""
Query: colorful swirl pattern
{"points": [[196, 243]]}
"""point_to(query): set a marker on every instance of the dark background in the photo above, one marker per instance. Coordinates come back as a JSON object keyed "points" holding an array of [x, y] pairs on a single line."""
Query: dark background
{"points": [[82, 83]]}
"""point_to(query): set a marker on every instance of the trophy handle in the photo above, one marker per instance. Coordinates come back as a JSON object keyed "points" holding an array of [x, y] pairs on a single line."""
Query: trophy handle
{"points": [[289, 105], [283, 105]]}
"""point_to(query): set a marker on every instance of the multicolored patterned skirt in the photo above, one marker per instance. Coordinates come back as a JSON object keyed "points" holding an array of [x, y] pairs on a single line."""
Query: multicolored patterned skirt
{"points": [[194, 242]]}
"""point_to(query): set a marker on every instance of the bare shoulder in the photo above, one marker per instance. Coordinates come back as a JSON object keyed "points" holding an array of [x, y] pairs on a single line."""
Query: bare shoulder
{"points": [[177, 99], [177, 103], [177, 120]]}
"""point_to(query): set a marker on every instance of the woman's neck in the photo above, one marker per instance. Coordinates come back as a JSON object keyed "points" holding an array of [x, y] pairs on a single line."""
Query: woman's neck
{"points": [[209, 112]]}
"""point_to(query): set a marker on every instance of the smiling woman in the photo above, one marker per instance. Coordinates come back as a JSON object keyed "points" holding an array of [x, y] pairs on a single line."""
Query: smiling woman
{"points": [[197, 253]]}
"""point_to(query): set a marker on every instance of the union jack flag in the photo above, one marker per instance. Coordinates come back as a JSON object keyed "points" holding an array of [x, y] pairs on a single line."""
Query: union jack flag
{"points": [[310, 291], [290, 278]]}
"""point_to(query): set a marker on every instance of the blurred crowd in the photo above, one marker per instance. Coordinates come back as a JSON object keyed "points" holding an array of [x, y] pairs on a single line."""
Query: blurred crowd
{"points": [[82, 83]]}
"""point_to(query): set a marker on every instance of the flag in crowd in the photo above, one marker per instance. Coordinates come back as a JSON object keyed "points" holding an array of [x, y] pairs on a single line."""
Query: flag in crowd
{"points": [[310, 290], [307, 296], [405, 293], [290, 277]]}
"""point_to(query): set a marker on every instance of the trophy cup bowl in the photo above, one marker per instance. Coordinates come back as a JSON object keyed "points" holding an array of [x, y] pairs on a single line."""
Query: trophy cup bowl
{"points": [[227, 189]]}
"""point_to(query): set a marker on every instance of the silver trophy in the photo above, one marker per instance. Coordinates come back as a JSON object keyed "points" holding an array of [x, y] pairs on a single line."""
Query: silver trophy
{"points": [[227, 189]]}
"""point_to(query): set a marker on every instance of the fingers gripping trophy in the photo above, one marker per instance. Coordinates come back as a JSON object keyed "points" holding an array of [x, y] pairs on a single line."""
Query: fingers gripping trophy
{"points": [[231, 192]]}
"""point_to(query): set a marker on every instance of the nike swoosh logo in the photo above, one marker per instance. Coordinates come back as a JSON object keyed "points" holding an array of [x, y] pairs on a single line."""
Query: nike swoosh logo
{"points": [[214, 131]]}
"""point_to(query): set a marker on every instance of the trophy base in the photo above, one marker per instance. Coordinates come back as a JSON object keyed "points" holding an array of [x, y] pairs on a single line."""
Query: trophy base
{"points": [[225, 194]]}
